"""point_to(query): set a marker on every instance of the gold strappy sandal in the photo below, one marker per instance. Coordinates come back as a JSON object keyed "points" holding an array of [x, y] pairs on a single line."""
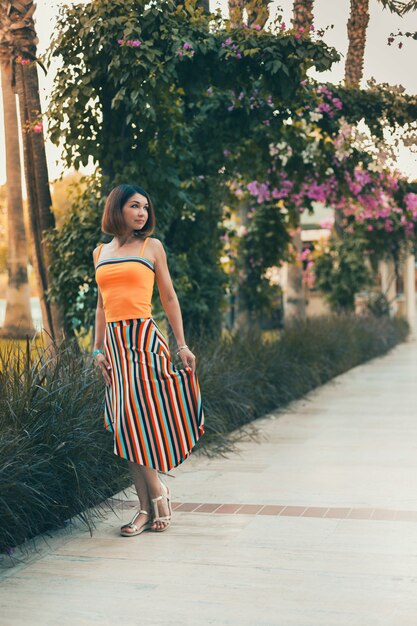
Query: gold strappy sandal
{"points": [[166, 519], [136, 530]]}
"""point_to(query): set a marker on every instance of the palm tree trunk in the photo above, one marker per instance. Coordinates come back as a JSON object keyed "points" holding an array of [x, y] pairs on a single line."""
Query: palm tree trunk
{"points": [[356, 27], [258, 12], [294, 300], [18, 320], [235, 13], [39, 198], [303, 13], [18, 38]]}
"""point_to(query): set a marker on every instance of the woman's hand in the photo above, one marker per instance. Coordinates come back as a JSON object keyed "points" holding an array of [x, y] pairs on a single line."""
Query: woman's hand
{"points": [[188, 358], [104, 365]]}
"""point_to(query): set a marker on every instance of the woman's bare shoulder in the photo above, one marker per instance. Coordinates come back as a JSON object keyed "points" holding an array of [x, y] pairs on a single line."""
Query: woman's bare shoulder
{"points": [[156, 243], [97, 249]]}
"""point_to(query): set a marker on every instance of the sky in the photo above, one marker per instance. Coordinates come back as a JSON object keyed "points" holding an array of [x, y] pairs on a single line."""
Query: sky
{"points": [[384, 63]]}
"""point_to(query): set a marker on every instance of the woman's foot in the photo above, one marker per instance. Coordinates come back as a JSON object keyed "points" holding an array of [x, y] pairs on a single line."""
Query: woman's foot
{"points": [[140, 522], [162, 510]]}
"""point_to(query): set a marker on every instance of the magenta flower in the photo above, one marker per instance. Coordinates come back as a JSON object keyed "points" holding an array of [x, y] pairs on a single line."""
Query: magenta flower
{"points": [[324, 107], [410, 200]]}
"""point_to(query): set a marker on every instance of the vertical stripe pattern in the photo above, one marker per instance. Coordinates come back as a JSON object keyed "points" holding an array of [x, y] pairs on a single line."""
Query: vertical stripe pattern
{"points": [[153, 408]]}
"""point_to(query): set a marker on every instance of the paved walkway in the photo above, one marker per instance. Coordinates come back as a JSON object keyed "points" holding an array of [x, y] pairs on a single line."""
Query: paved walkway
{"points": [[315, 525]]}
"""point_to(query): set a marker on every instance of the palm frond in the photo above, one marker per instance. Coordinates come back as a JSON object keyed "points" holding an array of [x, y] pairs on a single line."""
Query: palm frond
{"points": [[399, 7], [409, 6]]}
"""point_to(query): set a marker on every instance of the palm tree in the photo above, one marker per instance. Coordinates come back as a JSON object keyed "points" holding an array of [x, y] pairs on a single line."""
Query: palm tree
{"points": [[294, 303], [257, 11], [236, 12], [303, 13], [18, 320], [257, 14], [18, 41], [356, 27]]}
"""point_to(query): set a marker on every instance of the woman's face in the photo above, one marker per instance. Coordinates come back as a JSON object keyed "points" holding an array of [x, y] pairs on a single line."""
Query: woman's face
{"points": [[135, 211]]}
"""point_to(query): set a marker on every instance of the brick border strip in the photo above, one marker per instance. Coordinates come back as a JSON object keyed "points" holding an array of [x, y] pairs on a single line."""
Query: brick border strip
{"points": [[283, 510]]}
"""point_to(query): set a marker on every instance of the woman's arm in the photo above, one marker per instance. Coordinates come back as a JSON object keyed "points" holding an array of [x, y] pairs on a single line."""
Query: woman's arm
{"points": [[170, 301], [99, 327]]}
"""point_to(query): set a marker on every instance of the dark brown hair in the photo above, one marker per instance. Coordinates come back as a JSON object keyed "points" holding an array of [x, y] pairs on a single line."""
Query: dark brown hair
{"points": [[112, 222]]}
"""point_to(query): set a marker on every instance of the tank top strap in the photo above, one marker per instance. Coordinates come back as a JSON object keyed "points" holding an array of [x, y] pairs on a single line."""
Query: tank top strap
{"points": [[97, 254], [143, 246]]}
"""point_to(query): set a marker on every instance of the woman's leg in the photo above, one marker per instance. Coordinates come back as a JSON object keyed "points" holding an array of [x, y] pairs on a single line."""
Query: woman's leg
{"points": [[155, 490], [138, 477]]}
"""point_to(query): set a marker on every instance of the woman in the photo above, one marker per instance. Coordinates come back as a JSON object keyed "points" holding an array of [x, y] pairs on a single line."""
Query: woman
{"points": [[153, 408]]}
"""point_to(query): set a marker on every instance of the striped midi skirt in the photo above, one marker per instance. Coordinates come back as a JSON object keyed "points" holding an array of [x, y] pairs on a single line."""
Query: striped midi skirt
{"points": [[153, 408]]}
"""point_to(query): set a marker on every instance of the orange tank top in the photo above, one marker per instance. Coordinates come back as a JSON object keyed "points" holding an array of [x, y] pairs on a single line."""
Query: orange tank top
{"points": [[126, 285]]}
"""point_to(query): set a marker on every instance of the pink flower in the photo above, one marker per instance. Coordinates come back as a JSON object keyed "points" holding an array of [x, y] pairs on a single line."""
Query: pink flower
{"points": [[297, 36], [283, 26], [410, 200], [38, 127]]}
